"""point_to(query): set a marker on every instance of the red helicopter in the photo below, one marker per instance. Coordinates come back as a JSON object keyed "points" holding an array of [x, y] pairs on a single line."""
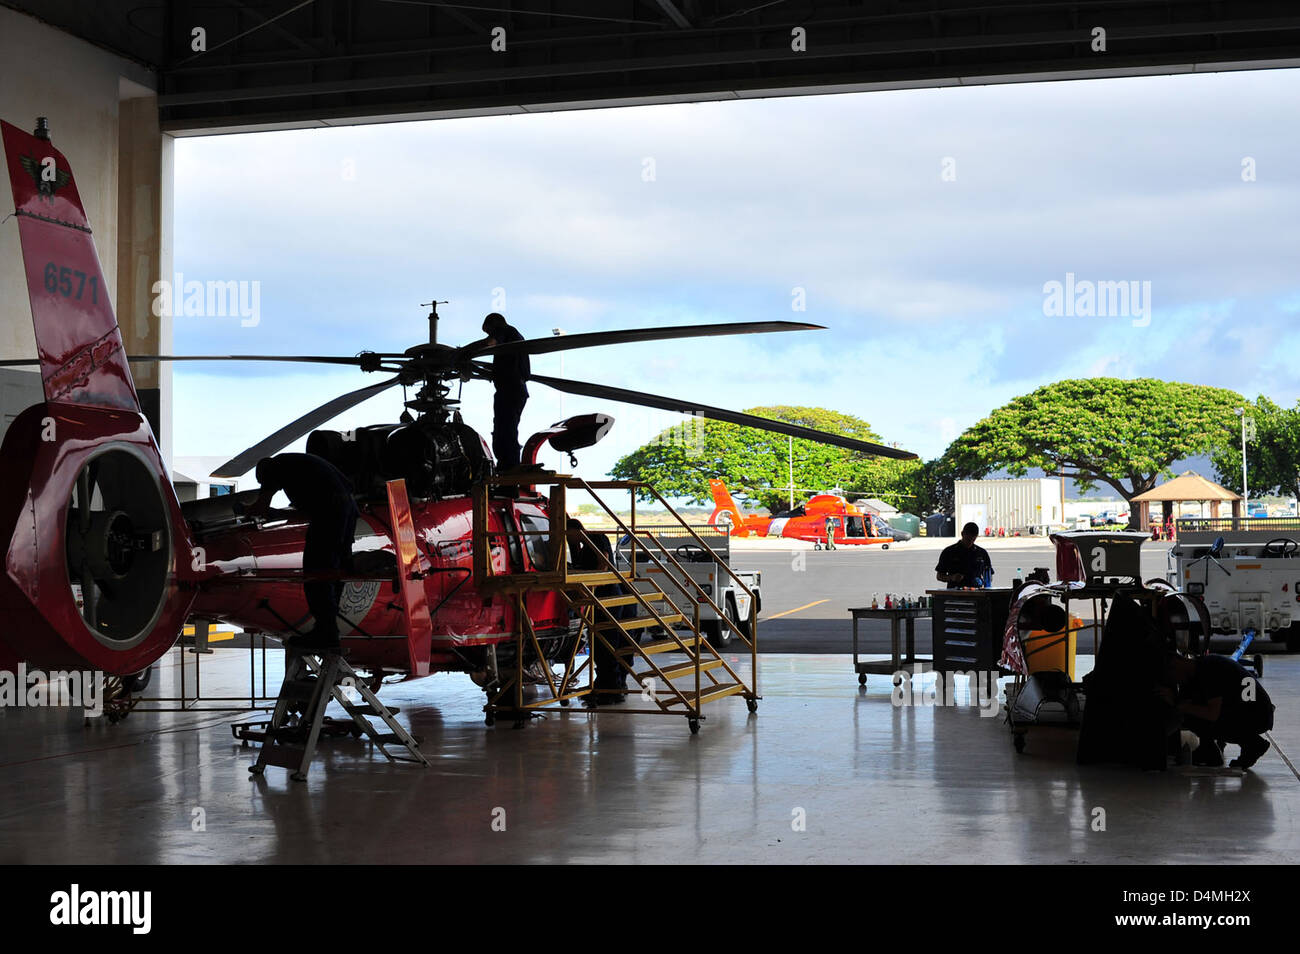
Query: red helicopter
{"points": [[852, 526], [104, 565]]}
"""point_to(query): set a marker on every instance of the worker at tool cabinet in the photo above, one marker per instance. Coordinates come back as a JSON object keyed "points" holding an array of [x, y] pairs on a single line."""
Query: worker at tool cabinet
{"points": [[1222, 701], [965, 563], [510, 376], [320, 491]]}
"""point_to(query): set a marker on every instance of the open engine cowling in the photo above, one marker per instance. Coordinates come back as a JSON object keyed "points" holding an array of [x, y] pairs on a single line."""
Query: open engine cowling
{"points": [[99, 569]]}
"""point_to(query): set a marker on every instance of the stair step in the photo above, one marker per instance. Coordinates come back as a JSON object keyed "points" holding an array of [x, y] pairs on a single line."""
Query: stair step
{"points": [[662, 646], [679, 669], [713, 693], [642, 622], [595, 578], [612, 601]]}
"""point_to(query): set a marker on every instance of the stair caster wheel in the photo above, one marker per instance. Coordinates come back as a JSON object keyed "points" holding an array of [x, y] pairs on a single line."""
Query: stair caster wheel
{"points": [[1018, 740], [489, 720], [564, 703], [298, 777], [751, 705], [695, 726], [256, 769], [862, 679]]}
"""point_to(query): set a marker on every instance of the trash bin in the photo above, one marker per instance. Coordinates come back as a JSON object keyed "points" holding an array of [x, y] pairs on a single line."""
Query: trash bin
{"points": [[908, 522], [940, 525]]}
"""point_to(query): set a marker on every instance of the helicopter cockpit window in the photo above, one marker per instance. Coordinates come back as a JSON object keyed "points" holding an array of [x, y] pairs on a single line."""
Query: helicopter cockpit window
{"points": [[535, 539], [855, 528], [512, 542]]}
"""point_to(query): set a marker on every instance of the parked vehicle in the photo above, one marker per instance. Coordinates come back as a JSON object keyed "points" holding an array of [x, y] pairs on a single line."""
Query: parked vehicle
{"points": [[1247, 583], [704, 567]]}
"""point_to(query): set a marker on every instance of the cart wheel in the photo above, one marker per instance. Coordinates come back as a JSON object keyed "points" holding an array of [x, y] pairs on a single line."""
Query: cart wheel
{"points": [[256, 769], [1259, 665], [490, 720], [817, 546], [355, 731], [298, 777], [751, 705], [1019, 740], [564, 703], [884, 546], [862, 679], [695, 726]]}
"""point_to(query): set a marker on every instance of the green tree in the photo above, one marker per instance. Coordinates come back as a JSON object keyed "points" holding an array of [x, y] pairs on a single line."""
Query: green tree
{"points": [[680, 461], [1272, 457], [1122, 433]]}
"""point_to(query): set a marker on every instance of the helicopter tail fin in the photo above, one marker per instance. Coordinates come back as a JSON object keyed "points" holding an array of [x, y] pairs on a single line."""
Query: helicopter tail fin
{"points": [[725, 512], [80, 346], [99, 569]]}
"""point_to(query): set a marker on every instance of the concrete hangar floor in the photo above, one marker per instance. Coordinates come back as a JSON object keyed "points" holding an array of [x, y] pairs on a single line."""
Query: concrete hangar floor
{"points": [[825, 771]]}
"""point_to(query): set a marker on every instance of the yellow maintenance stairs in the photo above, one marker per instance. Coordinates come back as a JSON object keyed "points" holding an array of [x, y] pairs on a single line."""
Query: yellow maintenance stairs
{"points": [[651, 623]]}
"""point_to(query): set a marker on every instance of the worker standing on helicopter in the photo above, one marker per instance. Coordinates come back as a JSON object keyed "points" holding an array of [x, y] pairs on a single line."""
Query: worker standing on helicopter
{"points": [[510, 375], [322, 493]]}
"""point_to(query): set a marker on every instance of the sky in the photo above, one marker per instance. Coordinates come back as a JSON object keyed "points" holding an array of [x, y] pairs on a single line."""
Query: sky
{"points": [[921, 227]]}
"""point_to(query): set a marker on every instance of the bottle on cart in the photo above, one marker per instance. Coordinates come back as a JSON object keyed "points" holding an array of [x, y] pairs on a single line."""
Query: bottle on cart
{"points": [[875, 602]]}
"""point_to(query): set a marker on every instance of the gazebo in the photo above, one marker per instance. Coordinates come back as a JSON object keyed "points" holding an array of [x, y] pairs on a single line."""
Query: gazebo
{"points": [[1190, 487]]}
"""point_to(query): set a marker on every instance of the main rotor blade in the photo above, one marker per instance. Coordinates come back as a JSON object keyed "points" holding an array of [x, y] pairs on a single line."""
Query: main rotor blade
{"points": [[596, 339], [719, 414], [354, 360], [304, 358], [245, 460]]}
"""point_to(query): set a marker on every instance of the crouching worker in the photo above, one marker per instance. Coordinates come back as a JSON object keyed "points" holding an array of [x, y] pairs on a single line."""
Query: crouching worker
{"points": [[1221, 701], [320, 491]]}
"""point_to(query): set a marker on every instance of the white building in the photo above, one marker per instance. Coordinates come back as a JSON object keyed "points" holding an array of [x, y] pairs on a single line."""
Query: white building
{"points": [[1029, 505]]}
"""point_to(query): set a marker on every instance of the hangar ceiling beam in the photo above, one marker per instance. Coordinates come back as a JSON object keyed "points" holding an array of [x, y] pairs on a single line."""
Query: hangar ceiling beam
{"points": [[328, 61]]}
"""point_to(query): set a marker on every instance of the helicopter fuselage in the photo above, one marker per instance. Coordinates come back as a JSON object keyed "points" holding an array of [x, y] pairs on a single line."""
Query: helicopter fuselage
{"points": [[251, 579]]}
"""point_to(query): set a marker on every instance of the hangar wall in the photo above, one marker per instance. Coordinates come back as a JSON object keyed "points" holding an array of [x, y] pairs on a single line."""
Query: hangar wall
{"points": [[103, 116]]}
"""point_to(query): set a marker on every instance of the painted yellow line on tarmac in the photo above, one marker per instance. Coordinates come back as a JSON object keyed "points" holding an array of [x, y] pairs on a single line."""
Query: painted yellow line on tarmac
{"points": [[795, 610]]}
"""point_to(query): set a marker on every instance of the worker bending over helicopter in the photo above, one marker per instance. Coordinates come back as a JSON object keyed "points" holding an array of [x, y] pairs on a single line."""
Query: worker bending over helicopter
{"points": [[510, 376], [321, 492]]}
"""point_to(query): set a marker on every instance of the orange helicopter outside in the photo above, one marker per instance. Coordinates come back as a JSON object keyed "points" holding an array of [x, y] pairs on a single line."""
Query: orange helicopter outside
{"points": [[852, 525]]}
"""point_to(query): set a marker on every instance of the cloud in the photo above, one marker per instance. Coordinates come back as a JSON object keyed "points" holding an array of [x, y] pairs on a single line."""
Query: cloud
{"points": [[931, 287]]}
